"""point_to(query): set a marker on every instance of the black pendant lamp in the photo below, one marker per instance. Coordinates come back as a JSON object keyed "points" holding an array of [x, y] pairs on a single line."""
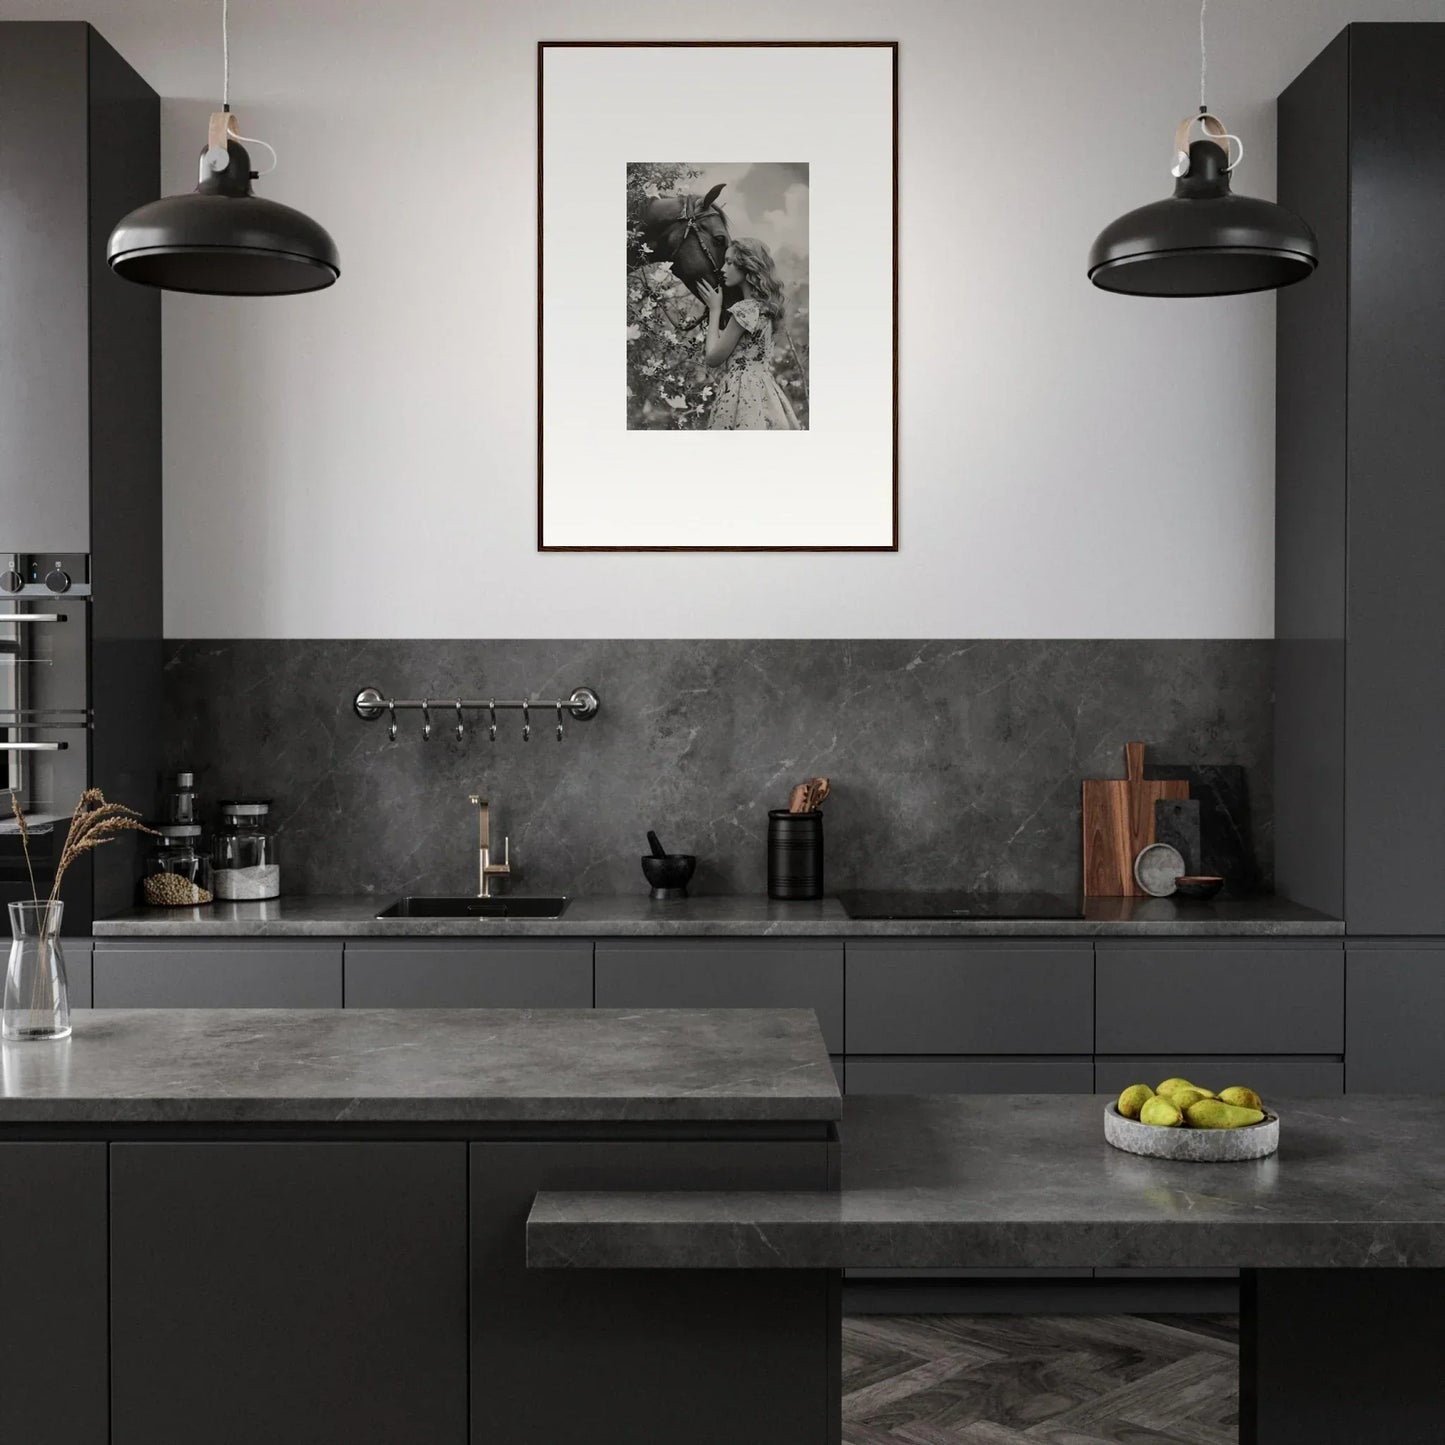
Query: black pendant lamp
{"points": [[1203, 240], [222, 239]]}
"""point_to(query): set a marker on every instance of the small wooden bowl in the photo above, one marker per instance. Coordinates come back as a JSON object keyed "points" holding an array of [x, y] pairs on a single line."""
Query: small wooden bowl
{"points": [[1198, 885]]}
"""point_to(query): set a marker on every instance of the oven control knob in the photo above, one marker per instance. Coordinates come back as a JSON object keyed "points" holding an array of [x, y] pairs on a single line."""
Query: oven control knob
{"points": [[11, 581], [58, 580]]}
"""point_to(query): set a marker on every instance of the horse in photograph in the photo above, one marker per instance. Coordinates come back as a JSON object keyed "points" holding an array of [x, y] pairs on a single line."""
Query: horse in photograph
{"points": [[690, 231]]}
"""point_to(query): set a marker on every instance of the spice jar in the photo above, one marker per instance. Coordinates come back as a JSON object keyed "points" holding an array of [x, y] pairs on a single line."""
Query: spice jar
{"points": [[243, 855], [177, 869]]}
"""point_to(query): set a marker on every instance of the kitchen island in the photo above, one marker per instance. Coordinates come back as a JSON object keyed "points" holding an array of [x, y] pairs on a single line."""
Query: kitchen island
{"points": [[309, 1225], [1341, 1235]]}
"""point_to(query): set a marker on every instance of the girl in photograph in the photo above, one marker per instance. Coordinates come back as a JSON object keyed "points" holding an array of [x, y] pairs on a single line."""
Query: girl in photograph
{"points": [[749, 397]]}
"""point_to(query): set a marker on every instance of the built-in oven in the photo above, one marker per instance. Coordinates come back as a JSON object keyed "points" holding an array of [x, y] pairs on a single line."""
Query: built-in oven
{"points": [[45, 718]]}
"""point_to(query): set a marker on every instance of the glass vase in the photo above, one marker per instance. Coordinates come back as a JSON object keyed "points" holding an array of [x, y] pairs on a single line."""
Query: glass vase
{"points": [[37, 1000]]}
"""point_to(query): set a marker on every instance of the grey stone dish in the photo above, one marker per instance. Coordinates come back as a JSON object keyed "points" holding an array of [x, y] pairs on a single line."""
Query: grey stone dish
{"points": [[1195, 1146], [1156, 868]]}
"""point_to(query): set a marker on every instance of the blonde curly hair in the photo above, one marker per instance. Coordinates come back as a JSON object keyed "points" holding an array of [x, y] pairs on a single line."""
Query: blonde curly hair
{"points": [[755, 261]]}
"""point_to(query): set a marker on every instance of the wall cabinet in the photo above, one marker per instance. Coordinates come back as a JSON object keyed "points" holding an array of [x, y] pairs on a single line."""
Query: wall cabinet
{"points": [[53, 1329], [297, 1293], [501, 973], [734, 973], [217, 973]]}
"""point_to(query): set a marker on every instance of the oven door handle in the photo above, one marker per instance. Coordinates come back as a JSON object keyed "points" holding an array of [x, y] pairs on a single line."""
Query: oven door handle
{"points": [[33, 617], [33, 747]]}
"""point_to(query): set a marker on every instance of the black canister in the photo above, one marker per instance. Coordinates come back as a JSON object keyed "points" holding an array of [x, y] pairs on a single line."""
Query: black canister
{"points": [[795, 854]]}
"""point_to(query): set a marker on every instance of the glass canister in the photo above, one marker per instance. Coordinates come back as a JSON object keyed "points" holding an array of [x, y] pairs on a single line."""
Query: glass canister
{"points": [[244, 863], [178, 868]]}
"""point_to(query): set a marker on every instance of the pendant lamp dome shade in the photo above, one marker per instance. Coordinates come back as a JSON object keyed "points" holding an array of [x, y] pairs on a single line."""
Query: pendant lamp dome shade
{"points": [[223, 239], [1203, 240]]}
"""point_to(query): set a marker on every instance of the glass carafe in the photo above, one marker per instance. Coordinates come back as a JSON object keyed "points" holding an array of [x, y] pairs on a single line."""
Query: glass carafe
{"points": [[37, 1000]]}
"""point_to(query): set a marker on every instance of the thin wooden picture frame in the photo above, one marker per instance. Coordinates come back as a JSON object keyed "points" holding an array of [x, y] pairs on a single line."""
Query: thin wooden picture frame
{"points": [[543, 46]]}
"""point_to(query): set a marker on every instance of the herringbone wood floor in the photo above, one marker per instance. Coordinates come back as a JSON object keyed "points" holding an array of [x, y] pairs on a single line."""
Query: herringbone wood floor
{"points": [[1040, 1380]]}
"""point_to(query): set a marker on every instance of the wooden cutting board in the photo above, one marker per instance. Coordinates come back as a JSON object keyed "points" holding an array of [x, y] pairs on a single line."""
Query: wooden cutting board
{"points": [[1118, 822]]}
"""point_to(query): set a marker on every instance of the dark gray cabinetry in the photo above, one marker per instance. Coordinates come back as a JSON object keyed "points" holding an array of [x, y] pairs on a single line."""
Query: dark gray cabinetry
{"points": [[923, 1075], [301, 1294], [1396, 1013], [1360, 592], [77, 970], [569, 1358], [1274, 1076], [53, 1347], [1162, 997], [511, 973], [701, 973], [212, 973]]}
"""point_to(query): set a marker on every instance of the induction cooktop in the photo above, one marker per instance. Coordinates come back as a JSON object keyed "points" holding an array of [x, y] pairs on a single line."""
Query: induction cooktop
{"points": [[869, 904]]}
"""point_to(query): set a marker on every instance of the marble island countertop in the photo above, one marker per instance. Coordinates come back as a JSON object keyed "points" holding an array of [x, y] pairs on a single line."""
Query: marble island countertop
{"points": [[1028, 1182], [423, 1066], [637, 916]]}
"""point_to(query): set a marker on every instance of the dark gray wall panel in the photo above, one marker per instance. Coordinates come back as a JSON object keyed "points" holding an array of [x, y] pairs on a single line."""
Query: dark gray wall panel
{"points": [[1284, 1078], [522, 973], [44, 296], [1396, 618], [928, 996], [1224, 998], [702, 973], [1311, 491], [212, 973], [1396, 1019], [588, 1357], [53, 1261], [301, 1294], [970, 1076]]}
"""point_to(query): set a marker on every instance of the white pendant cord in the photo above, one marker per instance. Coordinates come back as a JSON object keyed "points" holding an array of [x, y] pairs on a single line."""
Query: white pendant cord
{"points": [[1203, 56], [219, 161]]}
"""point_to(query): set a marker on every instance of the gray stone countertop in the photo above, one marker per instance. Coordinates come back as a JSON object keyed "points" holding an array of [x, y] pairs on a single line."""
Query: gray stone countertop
{"points": [[636, 916], [1027, 1181], [423, 1066]]}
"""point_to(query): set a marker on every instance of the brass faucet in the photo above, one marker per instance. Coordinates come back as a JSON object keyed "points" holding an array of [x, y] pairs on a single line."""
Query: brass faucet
{"points": [[487, 870]]}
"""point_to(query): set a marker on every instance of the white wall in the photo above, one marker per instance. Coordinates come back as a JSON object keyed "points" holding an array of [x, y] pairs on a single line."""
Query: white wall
{"points": [[322, 452]]}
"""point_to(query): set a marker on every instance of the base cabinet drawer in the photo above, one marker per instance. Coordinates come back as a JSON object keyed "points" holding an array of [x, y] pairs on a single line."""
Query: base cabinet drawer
{"points": [[521, 973], [759, 973], [944, 997], [209, 973], [1161, 997], [970, 1076], [1396, 1012], [1270, 1077]]}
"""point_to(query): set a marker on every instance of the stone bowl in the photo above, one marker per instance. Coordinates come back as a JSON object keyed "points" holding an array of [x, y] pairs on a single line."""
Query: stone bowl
{"points": [[1197, 1146]]}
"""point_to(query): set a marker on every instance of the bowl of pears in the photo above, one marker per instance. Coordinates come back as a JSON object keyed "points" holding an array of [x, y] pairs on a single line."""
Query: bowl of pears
{"points": [[1182, 1120]]}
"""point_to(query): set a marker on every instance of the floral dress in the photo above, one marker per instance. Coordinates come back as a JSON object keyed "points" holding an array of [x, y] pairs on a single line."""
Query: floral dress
{"points": [[749, 397]]}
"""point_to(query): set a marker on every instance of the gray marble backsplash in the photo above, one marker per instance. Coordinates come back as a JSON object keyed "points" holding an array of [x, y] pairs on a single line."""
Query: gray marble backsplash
{"points": [[954, 764]]}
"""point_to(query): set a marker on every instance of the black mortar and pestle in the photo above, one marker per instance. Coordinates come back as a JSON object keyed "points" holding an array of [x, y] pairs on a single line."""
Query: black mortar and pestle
{"points": [[667, 872]]}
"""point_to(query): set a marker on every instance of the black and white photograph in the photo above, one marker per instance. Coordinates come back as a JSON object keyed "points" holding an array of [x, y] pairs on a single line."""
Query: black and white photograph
{"points": [[717, 296]]}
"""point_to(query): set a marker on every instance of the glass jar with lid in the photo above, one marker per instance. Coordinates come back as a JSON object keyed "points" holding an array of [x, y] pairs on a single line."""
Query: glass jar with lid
{"points": [[244, 862], [177, 868]]}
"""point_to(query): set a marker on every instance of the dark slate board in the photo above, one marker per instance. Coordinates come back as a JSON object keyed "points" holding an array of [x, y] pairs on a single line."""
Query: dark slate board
{"points": [[1176, 822], [1226, 835]]}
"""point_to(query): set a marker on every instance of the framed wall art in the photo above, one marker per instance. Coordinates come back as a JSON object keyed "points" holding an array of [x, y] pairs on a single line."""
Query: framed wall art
{"points": [[717, 296]]}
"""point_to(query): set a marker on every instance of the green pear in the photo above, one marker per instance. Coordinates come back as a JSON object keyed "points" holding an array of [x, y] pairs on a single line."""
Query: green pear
{"points": [[1133, 1099], [1244, 1098], [1161, 1112], [1215, 1114]]}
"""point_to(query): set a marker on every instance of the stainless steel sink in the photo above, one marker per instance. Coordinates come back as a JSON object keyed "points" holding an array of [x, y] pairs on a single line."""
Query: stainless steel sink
{"points": [[475, 908]]}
